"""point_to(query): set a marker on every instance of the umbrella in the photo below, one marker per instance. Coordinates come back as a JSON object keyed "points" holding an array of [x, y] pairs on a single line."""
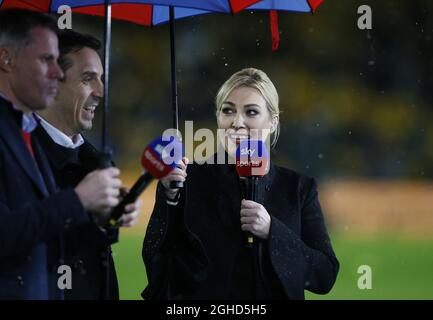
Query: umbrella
{"points": [[144, 12], [155, 12], [284, 5]]}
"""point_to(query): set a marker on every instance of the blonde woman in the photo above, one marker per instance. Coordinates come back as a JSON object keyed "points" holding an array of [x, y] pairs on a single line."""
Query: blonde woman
{"points": [[195, 242]]}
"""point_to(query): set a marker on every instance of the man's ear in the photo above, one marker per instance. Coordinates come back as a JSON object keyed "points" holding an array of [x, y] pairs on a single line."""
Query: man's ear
{"points": [[6, 59]]}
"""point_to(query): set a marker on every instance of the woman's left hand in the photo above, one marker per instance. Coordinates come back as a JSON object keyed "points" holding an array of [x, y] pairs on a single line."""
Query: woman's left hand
{"points": [[255, 219]]}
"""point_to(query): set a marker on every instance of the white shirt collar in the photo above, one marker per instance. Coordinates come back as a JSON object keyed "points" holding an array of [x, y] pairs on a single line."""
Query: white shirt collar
{"points": [[59, 137]]}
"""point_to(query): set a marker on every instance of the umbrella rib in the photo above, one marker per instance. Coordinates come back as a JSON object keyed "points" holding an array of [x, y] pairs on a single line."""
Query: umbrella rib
{"points": [[231, 6]]}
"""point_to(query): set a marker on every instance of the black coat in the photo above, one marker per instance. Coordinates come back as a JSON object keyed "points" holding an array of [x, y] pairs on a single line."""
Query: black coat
{"points": [[196, 250], [33, 216], [87, 248]]}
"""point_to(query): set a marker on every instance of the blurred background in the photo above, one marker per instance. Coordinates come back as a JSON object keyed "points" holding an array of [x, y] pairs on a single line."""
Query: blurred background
{"points": [[356, 115]]}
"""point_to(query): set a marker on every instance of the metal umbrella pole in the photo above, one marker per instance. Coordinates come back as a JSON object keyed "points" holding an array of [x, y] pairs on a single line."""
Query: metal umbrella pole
{"points": [[107, 45], [174, 97], [105, 159], [174, 100]]}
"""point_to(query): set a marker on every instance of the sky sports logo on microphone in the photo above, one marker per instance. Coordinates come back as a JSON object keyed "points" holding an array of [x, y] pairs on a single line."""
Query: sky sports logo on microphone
{"points": [[162, 155], [252, 158]]}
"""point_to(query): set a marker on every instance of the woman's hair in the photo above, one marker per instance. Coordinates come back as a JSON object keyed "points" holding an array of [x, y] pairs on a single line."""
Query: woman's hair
{"points": [[256, 79]]}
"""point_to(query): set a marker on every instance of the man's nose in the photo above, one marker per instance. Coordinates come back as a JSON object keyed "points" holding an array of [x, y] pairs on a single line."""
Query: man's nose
{"points": [[55, 71], [98, 90]]}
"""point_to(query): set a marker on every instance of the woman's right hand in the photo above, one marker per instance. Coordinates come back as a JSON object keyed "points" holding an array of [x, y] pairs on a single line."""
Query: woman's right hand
{"points": [[178, 174]]}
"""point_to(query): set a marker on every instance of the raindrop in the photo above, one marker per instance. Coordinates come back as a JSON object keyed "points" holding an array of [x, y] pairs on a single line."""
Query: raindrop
{"points": [[320, 156], [350, 133], [371, 63], [317, 124], [226, 64]]}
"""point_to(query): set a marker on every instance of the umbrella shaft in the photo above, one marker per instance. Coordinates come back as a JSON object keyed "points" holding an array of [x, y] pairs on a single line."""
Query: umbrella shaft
{"points": [[174, 102], [107, 39]]}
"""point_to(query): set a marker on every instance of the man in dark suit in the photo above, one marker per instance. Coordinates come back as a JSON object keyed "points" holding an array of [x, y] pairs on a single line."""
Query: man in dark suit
{"points": [[34, 214], [71, 157]]}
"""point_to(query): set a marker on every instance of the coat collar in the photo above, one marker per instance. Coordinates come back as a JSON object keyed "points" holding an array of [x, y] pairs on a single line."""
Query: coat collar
{"points": [[58, 155]]}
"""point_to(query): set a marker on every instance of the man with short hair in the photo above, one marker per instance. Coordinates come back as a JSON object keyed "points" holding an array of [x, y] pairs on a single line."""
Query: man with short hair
{"points": [[71, 157], [34, 214]]}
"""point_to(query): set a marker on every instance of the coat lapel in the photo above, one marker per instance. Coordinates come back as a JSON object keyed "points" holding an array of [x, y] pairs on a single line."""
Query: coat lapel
{"points": [[10, 134], [44, 167]]}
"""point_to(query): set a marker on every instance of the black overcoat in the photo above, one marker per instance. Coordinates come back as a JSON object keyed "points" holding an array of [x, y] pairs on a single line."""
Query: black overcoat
{"points": [[194, 250]]}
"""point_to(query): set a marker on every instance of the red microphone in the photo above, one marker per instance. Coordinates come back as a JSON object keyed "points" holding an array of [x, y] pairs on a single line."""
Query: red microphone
{"points": [[252, 160]]}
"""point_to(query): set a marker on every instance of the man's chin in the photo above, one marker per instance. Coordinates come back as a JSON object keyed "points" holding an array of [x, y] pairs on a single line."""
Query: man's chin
{"points": [[42, 106], [48, 103]]}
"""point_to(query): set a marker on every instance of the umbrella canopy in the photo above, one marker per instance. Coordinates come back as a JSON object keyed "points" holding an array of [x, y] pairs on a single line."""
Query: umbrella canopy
{"points": [[284, 5], [144, 12], [155, 12]]}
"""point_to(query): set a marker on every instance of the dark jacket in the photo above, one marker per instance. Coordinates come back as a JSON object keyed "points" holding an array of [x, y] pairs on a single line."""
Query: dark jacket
{"points": [[87, 247], [196, 250], [33, 216]]}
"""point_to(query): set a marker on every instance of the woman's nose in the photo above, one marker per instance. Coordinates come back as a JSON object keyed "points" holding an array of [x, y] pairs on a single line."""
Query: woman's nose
{"points": [[238, 121]]}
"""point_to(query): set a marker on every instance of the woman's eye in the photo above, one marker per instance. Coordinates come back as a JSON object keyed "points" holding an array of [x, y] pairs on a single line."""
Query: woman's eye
{"points": [[227, 110], [252, 112]]}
